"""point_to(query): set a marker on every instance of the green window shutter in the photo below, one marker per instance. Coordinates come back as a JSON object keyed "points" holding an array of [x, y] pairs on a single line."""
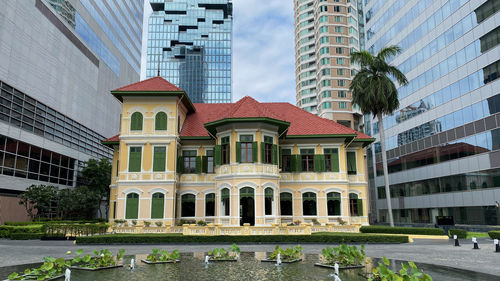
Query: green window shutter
{"points": [[204, 164], [293, 163], [161, 121], [263, 152], [335, 161], [132, 206], [218, 155], [275, 154], [136, 121], [321, 162], [198, 165], [157, 206], [317, 164], [280, 160], [238, 151], [180, 164], [360, 207], [255, 152], [159, 159], [298, 163], [351, 163], [134, 163]]}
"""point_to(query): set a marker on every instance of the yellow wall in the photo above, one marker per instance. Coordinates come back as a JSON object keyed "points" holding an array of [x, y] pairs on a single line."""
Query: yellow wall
{"points": [[234, 175]]}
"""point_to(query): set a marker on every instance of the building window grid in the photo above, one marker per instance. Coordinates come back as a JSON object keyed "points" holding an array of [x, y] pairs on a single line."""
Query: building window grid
{"points": [[22, 111], [23, 160]]}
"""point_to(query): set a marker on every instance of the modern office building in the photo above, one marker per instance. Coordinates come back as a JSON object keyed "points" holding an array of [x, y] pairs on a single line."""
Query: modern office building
{"points": [[189, 43], [443, 142], [326, 32], [58, 61]]}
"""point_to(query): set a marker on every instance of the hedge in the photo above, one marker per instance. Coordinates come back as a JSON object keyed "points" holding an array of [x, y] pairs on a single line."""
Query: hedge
{"points": [[494, 234], [62, 230], [6, 231], [402, 230], [460, 233], [26, 236], [19, 223], [168, 238]]}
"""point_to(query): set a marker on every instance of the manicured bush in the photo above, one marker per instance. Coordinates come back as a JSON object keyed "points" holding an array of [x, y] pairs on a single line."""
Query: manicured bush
{"points": [[54, 230], [460, 233], [6, 231], [19, 223], [494, 234], [402, 230], [179, 238], [26, 236]]}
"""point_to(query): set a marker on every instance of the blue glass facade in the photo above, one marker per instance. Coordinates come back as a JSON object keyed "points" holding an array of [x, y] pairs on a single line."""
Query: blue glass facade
{"points": [[448, 122], [189, 44]]}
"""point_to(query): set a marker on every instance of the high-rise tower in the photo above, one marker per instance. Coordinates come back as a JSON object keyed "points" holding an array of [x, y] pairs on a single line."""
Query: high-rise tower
{"points": [[189, 44], [443, 143], [326, 32]]}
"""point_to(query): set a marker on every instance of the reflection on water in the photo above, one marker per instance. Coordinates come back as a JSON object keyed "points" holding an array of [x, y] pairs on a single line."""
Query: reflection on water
{"points": [[249, 267]]}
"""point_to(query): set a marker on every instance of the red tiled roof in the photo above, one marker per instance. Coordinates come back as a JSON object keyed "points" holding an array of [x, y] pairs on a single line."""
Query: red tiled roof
{"points": [[301, 121], [155, 84], [113, 139]]}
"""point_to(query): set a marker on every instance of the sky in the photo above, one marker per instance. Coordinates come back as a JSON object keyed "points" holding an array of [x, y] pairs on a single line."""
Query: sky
{"points": [[263, 50]]}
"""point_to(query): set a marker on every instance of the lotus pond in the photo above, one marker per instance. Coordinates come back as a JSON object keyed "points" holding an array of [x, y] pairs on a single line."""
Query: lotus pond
{"points": [[248, 267]]}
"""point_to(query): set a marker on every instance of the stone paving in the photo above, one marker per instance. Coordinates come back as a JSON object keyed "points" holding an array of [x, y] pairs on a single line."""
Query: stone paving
{"points": [[434, 252]]}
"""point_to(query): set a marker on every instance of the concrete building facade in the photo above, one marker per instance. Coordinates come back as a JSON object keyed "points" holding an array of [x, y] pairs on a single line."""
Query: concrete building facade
{"points": [[326, 33], [58, 61], [443, 142]]}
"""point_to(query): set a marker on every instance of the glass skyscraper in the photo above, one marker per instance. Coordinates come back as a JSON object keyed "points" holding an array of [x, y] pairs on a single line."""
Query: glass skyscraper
{"points": [[189, 44], [443, 143]]}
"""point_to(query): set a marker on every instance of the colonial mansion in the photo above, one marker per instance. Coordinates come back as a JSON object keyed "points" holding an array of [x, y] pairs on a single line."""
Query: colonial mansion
{"points": [[231, 164]]}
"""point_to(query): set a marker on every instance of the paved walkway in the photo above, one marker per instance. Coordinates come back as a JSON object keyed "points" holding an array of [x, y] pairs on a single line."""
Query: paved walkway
{"points": [[424, 251]]}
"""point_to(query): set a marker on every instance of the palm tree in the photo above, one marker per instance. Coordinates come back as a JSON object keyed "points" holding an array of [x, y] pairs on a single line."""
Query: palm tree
{"points": [[374, 92]]}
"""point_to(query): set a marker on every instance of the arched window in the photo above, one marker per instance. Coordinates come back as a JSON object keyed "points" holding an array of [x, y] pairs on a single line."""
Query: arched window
{"points": [[286, 204], [268, 201], [333, 203], [161, 121], [157, 205], [309, 204], [132, 206], [136, 121], [225, 201], [188, 205], [356, 205], [210, 205]]}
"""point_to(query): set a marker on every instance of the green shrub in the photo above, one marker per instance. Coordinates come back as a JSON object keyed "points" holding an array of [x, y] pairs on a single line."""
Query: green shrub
{"points": [[55, 230], [43, 222], [460, 233], [402, 230], [6, 231], [494, 234], [26, 236], [177, 238]]}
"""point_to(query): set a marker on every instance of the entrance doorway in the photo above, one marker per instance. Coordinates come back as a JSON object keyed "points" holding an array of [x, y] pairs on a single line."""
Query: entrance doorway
{"points": [[247, 206]]}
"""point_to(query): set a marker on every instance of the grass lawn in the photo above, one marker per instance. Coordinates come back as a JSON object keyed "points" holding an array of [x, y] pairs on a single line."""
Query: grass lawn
{"points": [[477, 235]]}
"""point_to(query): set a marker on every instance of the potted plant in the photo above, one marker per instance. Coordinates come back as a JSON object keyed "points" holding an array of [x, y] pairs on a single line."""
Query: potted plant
{"points": [[147, 223], [158, 223], [119, 222], [345, 256], [133, 223], [289, 255], [160, 256], [102, 259], [220, 254]]}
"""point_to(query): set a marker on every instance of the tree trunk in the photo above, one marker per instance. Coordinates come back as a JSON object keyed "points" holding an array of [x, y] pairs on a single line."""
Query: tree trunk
{"points": [[386, 172]]}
